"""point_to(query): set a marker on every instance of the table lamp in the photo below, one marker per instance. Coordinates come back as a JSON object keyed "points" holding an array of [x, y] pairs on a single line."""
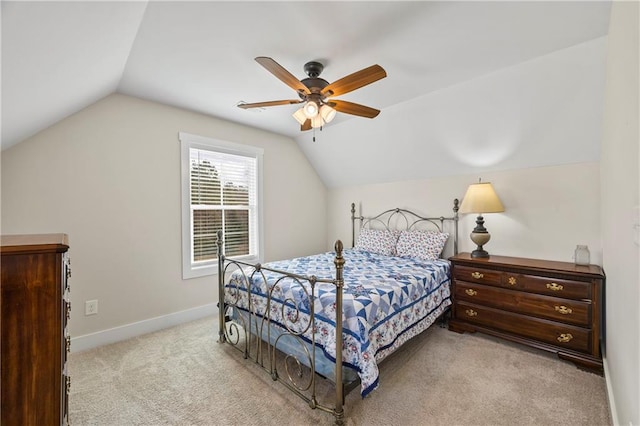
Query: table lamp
{"points": [[481, 198]]}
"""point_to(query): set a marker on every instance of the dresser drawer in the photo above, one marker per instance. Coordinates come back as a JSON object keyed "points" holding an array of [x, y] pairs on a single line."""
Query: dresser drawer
{"points": [[567, 289], [550, 286], [551, 332], [554, 308], [477, 275]]}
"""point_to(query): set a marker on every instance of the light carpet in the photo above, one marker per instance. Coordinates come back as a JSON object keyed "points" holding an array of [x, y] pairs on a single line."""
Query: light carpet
{"points": [[182, 376]]}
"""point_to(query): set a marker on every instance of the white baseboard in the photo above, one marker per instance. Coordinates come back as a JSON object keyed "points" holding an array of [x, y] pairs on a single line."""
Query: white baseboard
{"points": [[117, 334], [612, 403]]}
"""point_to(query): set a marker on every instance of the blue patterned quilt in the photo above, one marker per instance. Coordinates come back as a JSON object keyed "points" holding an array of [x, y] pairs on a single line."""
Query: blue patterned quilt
{"points": [[386, 301]]}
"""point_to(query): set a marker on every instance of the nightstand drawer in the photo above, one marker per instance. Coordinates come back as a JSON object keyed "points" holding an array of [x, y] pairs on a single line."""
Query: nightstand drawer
{"points": [[557, 334], [551, 286], [477, 275], [554, 308]]}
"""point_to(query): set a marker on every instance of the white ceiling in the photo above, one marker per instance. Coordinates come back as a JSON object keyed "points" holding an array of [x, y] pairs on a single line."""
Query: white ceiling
{"points": [[59, 57]]}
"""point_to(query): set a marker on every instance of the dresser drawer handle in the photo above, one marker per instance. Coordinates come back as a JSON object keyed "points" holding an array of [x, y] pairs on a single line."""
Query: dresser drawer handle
{"points": [[554, 286], [477, 275], [512, 281], [471, 292], [564, 338], [563, 310], [471, 312]]}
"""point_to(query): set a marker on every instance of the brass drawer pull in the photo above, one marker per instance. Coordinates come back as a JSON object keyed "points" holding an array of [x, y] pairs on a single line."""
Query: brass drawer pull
{"points": [[471, 292], [512, 281], [564, 338], [563, 310], [554, 286], [477, 275], [471, 312]]}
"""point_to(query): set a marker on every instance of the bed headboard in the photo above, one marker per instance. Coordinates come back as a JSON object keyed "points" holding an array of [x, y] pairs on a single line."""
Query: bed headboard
{"points": [[403, 219]]}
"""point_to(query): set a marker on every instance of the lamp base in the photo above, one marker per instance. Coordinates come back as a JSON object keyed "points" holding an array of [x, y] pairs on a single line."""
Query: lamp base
{"points": [[479, 253], [480, 236]]}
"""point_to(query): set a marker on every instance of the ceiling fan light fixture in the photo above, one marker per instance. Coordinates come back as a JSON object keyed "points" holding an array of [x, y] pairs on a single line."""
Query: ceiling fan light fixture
{"points": [[300, 116], [310, 109], [317, 121], [327, 113]]}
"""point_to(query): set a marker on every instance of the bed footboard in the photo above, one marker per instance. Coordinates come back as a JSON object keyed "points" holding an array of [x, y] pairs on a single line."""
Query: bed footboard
{"points": [[275, 338]]}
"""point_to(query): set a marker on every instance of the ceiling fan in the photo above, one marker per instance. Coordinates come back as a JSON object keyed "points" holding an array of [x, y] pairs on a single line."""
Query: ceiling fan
{"points": [[315, 91]]}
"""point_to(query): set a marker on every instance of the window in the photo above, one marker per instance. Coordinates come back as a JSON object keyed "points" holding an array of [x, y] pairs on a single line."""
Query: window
{"points": [[221, 190]]}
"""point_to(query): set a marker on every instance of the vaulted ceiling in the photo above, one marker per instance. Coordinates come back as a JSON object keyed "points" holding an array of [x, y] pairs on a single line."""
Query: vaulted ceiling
{"points": [[59, 57]]}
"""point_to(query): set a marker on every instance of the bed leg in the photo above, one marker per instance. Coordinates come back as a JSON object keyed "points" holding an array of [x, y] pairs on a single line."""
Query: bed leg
{"points": [[443, 318]]}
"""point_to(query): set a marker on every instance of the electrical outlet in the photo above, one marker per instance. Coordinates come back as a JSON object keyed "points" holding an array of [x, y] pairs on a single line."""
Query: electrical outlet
{"points": [[90, 307]]}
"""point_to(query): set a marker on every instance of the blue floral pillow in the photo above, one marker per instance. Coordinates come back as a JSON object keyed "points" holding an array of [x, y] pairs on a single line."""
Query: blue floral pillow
{"points": [[381, 241], [424, 245]]}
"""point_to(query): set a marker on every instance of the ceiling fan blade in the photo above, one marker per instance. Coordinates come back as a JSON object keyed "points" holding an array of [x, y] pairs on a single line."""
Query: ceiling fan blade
{"points": [[280, 72], [306, 125], [355, 81], [269, 103], [353, 108]]}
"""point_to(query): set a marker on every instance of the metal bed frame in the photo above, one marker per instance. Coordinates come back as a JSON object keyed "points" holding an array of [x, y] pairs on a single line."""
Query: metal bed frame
{"points": [[256, 340]]}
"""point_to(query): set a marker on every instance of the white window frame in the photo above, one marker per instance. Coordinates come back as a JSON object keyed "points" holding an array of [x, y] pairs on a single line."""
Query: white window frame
{"points": [[188, 141]]}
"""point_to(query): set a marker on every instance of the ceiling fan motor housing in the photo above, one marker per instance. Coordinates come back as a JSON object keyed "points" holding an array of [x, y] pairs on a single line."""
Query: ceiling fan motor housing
{"points": [[313, 69], [314, 83]]}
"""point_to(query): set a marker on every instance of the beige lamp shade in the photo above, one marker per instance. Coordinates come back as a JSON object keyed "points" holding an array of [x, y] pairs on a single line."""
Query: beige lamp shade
{"points": [[481, 198], [299, 116]]}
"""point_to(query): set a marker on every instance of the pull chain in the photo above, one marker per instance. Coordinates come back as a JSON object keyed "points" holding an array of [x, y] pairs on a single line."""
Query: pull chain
{"points": [[314, 133]]}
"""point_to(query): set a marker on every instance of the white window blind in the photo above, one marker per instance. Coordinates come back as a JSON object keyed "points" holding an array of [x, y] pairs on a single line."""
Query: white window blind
{"points": [[223, 194], [223, 197]]}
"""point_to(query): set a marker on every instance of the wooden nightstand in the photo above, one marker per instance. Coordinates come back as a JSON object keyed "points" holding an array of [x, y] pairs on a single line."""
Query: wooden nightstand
{"points": [[549, 305]]}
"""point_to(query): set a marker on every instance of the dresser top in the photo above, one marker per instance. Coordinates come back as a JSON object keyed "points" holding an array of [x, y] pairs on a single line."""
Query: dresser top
{"points": [[34, 243], [521, 262]]}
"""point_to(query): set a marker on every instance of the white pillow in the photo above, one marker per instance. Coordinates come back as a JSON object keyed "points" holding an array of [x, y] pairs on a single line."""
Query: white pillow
{"points": [[424, 245], [381, 241]]}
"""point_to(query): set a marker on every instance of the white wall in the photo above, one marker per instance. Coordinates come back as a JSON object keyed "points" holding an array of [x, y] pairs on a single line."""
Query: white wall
{"points": [[109, 176], [548, 210], [620, 212], [542, 112]]}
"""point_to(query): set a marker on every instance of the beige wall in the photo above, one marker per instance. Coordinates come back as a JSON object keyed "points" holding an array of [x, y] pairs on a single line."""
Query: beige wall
{"points": [[541, 112], [620, 213], [549, 210], [109, 176]]}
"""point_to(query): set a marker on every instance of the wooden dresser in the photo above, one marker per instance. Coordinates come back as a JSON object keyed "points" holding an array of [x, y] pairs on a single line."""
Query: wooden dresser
{"points": [[35, 341], [554, 306]]}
